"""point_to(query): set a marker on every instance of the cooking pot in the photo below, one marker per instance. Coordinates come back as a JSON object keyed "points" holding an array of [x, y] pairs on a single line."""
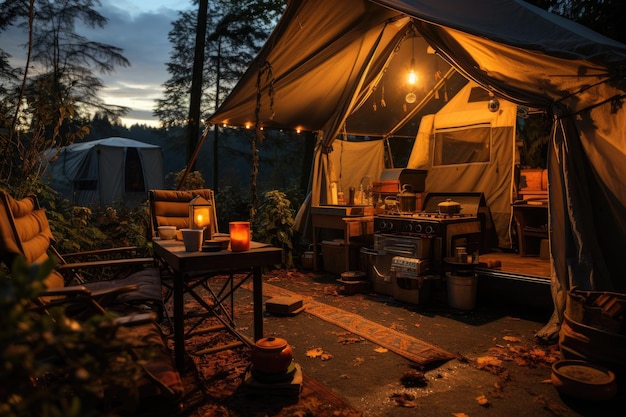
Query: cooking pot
{"points": [[407, 200], [449, 207], [272, 355]]}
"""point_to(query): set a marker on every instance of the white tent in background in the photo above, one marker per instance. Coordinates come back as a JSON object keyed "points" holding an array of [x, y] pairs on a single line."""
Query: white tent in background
{"points": [[105, 171], [327, 59]]}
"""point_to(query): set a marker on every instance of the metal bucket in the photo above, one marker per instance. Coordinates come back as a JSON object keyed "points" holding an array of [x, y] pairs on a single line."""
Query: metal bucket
{"points": [[462, 290]]}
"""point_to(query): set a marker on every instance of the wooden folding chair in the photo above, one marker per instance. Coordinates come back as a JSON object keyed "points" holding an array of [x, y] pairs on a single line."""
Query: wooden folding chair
{"points": [[171, 208]]}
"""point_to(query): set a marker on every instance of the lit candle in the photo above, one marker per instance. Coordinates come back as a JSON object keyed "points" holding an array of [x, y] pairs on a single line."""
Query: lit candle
{"points": [[202, 217], [239, 236]]}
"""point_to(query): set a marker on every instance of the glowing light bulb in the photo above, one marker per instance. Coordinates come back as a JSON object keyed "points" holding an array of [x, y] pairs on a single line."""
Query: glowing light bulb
{"points": [[412, 77]]}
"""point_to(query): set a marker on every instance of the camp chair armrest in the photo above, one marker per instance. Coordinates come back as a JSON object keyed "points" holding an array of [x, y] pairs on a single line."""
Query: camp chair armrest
{"points": [[105, 263], [75, 290], [113, 291], [81, 290], [135, 319], [126, 250]]}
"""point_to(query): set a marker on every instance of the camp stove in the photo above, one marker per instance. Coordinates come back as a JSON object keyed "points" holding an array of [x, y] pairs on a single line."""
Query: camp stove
{"points": [[429, 234]]}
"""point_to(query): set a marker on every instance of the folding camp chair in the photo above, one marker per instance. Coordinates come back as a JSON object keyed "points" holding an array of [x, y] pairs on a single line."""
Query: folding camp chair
{"points": [[136, 298], [24, 231], [171, 208]]}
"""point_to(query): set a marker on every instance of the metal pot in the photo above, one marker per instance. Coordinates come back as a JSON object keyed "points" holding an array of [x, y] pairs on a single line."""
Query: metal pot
{"points": [[449, 207], [407, 200]]}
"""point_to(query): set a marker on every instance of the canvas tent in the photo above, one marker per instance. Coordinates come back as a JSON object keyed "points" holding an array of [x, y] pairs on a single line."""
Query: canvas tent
{"points": [[326, 59], [105, 171]]}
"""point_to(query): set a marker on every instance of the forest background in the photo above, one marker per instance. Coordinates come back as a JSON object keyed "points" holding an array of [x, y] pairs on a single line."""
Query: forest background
{"points": [[54, 99]]}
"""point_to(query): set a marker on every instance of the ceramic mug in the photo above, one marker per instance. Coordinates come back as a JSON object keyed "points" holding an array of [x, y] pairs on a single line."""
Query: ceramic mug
{"points": [[192, 238]]}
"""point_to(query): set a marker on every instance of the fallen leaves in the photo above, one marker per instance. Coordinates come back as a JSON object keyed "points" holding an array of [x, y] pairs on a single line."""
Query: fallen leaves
{"points": [[404, 399], [347, 338], [512, 339], [381, 349], [482, 400], [318, 353], [531, 357], [356, 362], [413, 378], [314, 353]]}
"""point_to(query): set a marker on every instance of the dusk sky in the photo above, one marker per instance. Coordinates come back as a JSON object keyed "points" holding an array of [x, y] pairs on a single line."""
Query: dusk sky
{"points": [[140, 28]]}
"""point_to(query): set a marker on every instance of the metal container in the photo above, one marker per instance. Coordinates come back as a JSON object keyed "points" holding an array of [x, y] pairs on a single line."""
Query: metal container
{"points": [[407, 200], [414, 177], [449, 207]]}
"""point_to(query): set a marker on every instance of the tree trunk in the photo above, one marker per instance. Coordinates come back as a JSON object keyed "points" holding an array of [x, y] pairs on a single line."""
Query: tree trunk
{"points": [[193, 122]]}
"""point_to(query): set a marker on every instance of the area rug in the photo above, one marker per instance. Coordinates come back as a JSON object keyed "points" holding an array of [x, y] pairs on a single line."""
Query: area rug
{"points": [[407, 346]]}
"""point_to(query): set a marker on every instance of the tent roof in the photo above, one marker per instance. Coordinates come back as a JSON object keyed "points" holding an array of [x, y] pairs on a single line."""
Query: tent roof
{"points": [[116, 142], [326, 59]]}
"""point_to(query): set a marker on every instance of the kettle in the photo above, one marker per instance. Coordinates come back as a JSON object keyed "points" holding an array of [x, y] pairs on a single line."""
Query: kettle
{"points": [[407, 200]]}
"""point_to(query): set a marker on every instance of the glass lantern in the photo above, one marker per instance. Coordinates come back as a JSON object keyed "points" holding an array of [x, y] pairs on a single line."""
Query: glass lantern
{"points": [[200, 210]]}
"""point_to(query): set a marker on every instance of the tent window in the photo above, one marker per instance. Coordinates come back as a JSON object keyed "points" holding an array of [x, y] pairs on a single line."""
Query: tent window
{"points": [[133, 173], [478, 94], [466, 145]]}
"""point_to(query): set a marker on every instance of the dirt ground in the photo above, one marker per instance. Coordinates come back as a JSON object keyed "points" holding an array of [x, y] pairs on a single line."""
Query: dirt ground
{"points": [[499, 367]]}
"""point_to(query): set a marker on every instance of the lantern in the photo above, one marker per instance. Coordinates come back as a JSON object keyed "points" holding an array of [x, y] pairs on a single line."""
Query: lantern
{"points": [[239, 236], [200, 215]]}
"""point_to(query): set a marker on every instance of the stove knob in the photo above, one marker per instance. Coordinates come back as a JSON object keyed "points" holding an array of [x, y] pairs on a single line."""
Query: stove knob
{"points": [[408, 227], [429, 230], [417, 228]]}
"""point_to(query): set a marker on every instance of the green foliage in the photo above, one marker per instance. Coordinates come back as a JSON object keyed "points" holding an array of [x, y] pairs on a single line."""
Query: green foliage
{"points": [[535, 132], [193, 181], [53, 366], [77, 228], [231, 205], [274, 224]]}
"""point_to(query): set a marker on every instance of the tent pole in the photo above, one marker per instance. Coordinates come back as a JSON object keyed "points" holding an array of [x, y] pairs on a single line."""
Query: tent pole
{"points": [[192, 161]]}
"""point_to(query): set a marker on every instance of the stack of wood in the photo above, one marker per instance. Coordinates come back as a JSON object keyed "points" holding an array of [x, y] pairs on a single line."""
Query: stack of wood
{"points": [[604, 310]]}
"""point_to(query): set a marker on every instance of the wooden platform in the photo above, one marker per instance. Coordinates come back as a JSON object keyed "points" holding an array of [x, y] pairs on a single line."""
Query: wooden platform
{"points": [[526, 268]]}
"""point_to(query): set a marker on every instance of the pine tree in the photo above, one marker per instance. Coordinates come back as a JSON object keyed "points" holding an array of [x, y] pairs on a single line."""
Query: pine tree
{"points": [[236, 30]]}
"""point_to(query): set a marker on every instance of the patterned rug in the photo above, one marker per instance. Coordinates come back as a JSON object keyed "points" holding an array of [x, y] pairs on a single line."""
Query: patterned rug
{"points": [[407, 346]]}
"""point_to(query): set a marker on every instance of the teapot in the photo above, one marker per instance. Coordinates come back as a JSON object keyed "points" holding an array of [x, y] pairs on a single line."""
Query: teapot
{"points": [[272, 355]]}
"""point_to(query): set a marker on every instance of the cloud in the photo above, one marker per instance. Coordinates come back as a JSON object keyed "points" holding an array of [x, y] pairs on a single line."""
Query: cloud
{"points": [[141, 31], [143, 37]]}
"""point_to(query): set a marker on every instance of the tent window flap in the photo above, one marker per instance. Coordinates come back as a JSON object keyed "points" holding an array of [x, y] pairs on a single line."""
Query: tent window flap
{"points": [[466, 145]]}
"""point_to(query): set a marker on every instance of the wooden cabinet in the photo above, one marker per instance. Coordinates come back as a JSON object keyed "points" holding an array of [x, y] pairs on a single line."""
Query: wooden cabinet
{"points": [[531, 219], [353, 221]]}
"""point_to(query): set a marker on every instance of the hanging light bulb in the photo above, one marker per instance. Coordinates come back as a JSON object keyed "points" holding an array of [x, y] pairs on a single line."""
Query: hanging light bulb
{"points": [[412, 75]]}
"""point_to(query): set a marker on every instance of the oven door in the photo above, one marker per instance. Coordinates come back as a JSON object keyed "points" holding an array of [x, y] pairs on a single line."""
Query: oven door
{"points": [[408, 246]]}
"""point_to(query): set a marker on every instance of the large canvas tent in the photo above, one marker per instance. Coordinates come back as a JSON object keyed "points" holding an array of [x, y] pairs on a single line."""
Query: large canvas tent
{"points": [[105, 171], [326, 59]]}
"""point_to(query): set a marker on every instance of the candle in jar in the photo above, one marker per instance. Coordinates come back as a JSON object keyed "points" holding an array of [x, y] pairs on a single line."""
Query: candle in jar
{"points": [[239, 236], [202, 217]]}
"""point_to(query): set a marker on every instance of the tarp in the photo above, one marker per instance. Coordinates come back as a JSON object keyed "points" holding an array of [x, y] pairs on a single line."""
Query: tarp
{"points": [[105, 171], [325, 59]]}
